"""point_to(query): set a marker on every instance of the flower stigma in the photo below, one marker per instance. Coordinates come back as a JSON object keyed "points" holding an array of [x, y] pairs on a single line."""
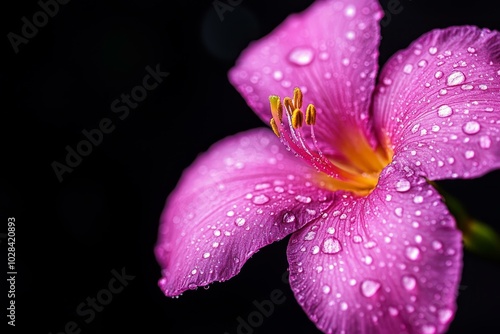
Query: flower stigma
{"points": [[358, 166]]}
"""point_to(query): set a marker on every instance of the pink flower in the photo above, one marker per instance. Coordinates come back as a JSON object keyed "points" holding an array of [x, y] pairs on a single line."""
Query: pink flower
{"points": [[373, 248]]}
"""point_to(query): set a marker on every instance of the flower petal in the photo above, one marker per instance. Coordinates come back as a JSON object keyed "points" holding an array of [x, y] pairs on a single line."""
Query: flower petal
{"points": [[438, 102], [386, 263], [246, 192], [330, 51]]}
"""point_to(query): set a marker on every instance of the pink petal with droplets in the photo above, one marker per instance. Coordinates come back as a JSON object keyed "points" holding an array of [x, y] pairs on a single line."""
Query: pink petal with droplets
{"points": [[438, 101], [330, 51], [387, 263], [246, 192]]}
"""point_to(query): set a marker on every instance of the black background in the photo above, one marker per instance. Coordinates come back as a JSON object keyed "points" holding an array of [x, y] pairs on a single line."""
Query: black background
{"points": [[104, 215]]}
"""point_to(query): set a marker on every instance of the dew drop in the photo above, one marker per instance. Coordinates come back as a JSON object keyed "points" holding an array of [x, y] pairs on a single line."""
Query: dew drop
{"points": [[239, 221], [206, 255], [326, 289], [331, 246], [485, 142], [437, 245], [433, 50], [315, 250], [418, 199], [368, 260], [357, 239], [471, 127], [422, 63], [409, 282], [303, 199], [466, 87], [260, 199], [470, 49], [403, 185], [408, 68], [310, 235], [230, 213], [330, 230], [277, 75], [369, 288], [192, 286], [455, 78], [438, 74], [350, 11], [444, 111], [343, 306], [412, 253], [301, 56], [445, 315], [217, 233], [469, 154], [288, 218], [393, 311], [428, 329]]}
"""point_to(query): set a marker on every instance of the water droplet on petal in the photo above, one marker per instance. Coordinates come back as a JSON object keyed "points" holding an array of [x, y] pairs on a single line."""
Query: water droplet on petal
{"points": [[310, 235], [469, 154], [301, 56], [403, 185], [206, 255], [455, 78], [357, 239], [471, 127], [350, 11], [331, 246], [428, 329], [412, 253], [470, 49], [278, 75], [444, 111], [326, 289], [409, 282], [408, 68], [288, 218], [393, 311], [239, 221], [303, 199], [438, 74], [433, 50], [192, 286], [260, 199], [485, 142], [445, 315], [418, 199], [343, 306], [369, 288]]}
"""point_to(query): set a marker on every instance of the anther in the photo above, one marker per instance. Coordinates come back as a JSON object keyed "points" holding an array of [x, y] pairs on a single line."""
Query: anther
{"points": [[310, 115], [287, 102], [274, 127], [297, 98], [297, 118], [276, 107]]}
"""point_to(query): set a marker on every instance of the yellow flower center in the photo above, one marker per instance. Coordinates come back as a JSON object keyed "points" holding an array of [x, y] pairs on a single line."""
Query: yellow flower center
{"points": [[359, 164]]}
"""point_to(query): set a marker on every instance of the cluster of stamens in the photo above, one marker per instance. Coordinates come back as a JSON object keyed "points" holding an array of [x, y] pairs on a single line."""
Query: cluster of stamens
{"points": [[287, 122]]}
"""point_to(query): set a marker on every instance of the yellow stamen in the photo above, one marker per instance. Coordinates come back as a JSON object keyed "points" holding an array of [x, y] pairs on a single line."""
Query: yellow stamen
{"points": [[276, 107], [274, 127], [297, 98], [310, 115], [287, 102], [297, 118], [356, 166]]}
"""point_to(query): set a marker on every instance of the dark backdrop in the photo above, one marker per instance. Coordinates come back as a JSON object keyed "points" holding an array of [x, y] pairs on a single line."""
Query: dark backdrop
{"points": [[73, 235]]}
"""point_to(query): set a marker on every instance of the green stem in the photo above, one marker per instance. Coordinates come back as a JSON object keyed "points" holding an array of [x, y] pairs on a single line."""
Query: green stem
{"points": [[477, 236]]}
